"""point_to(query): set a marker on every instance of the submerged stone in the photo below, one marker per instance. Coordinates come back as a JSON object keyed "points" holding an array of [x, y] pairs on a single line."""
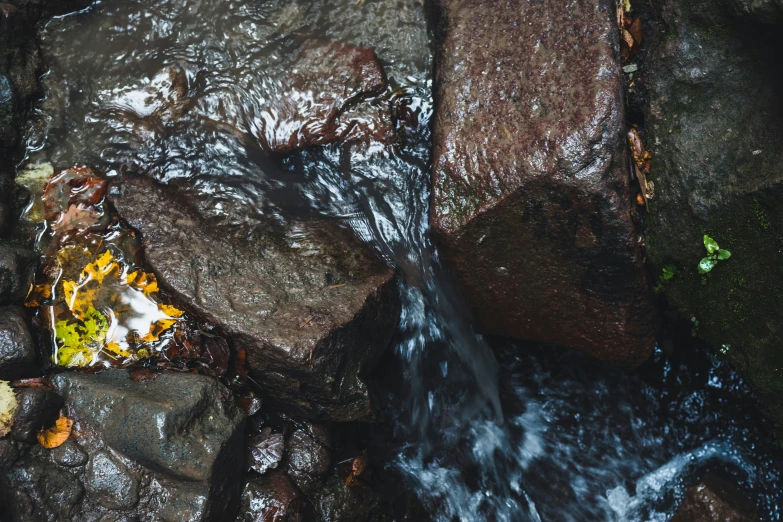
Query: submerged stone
{"points": [[319, 98], [312, 306], [714, 499], [531, 201]]}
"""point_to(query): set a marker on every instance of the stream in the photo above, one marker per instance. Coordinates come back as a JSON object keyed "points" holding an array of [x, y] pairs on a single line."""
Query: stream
{"points": [[485, 429]]}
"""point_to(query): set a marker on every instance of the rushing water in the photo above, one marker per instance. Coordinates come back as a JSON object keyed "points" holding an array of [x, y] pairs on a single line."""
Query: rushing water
{"points": [[182, 88]]}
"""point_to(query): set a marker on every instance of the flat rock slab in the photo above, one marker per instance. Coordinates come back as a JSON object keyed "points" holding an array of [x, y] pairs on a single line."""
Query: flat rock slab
{"points": [[531, 202], [312, 306]]}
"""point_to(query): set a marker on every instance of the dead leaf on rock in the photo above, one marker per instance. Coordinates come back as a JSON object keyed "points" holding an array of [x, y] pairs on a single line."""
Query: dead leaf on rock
{"points": [[630, 30], [358, 466], [266, 450], [57, 434], [642, 160], [8, 405]]}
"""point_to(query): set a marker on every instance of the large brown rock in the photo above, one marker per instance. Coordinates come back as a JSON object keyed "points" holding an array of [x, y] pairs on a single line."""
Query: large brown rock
{"points": [[714, 499], [530, 202], [312, 305]]}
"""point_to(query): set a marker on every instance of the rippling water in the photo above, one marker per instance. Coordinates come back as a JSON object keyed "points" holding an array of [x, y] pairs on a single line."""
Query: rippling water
{"points": [[183, 90]]}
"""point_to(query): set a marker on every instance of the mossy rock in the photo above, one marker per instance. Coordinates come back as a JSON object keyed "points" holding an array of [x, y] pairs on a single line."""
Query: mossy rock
{"points": [[714, 129]]}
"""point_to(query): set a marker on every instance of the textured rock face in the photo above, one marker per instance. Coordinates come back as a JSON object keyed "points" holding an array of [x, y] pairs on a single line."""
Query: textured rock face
{"points": [[36, 490], [38, 408], [767, 11], [713, 128], [17, 351], [715, 500], [313, 309], [314, 106], [16, 273], [273, 497], [184, 428], [531, 200]]}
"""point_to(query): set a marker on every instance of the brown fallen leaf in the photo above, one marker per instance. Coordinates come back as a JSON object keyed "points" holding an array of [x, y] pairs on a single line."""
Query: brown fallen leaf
{"points": [[266, 450], [57, 434], [75, 219], [635, 30], [358, 466], [642, 160], [32, 382]]}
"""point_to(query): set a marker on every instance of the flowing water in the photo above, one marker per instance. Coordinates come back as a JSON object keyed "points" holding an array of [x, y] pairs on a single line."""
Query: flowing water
{"points": [[183, 90]]}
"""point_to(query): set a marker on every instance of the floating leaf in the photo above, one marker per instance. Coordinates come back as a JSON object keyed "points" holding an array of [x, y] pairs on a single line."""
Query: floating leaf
{"points": [[723, 254], [710, 244], [71, 351], [8, 405], [76, 218], [133, 317], [707, 264], [57, 434]]}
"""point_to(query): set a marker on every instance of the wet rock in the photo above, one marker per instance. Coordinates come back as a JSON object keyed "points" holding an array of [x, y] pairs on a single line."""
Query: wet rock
{"points": [[531, 201], [10, 452], [311, 305], [37, 408], [185, 426], [714, 499], [767, 11], [110, 482], [336, 501], [35, 490], [69, 455], [17, 351], [7, 124], [273, 497], [713, 128], [308, 457], [317, 104], [17, 267]]}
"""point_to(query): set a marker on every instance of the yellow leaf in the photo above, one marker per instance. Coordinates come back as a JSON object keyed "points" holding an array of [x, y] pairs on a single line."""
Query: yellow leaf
{"points": [[116, 350], [171, 311], [8, 405], [156, 329], [57, 434]]}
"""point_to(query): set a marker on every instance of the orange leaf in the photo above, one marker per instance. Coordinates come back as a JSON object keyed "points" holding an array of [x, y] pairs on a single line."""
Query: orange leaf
{"points": [[57, 434]]}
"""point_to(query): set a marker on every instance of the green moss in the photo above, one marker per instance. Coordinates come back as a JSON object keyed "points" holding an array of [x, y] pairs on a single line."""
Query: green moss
{"points": [[740, 302]]}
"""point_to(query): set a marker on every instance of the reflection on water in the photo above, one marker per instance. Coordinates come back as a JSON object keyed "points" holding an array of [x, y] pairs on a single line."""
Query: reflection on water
{"points": [[185, 90]]}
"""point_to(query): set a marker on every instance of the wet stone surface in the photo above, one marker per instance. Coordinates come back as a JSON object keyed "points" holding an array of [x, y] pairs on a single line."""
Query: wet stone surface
{"points": [[17, 351], [530, 198], [712, 76], [715, 499], [310, 304], [181, 432], [110, 482], [17, 266], [326, 81], [37, 409]]}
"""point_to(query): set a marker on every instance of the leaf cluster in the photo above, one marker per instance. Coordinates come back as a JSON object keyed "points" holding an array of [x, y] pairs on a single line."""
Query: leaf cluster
{"points": [[714, 255]]}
